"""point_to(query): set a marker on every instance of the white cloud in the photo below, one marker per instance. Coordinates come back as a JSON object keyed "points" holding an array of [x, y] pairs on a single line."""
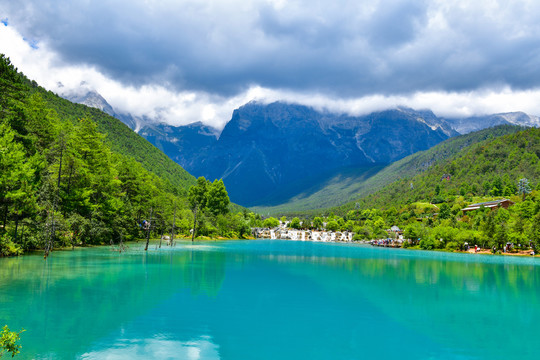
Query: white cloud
{"points": [[157, 348], [178, 107]]}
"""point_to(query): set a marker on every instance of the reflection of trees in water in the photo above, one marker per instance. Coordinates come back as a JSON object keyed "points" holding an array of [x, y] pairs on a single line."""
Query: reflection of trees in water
{"points": [[203, 271], [467, 276], [461, 299], [87, 294]]}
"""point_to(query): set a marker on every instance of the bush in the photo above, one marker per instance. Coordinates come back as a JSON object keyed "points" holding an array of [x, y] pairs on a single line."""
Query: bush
{"points": [[431, 244], [9, 248], [295, 223], [358, 237], [271, 222], [452, 245], [426, 244], [8, 341], [332, 226]]}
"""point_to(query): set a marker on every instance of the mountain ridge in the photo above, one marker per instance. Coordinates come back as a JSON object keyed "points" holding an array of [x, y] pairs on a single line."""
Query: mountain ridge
{"points": [[273, 153]]}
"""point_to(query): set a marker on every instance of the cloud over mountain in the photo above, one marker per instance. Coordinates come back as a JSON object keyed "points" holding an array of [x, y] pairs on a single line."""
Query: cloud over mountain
{"points": [[212, 55]]}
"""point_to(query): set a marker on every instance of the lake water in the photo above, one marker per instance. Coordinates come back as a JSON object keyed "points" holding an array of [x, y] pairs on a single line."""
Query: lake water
{"points": [[271, 299]]}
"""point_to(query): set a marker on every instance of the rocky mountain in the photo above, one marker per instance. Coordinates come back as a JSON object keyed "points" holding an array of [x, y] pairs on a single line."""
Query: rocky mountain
{"points": [[180, 142], [265, 148], [90, 98], [350, 185], [475, 123], [93, 99], [270, 154]]}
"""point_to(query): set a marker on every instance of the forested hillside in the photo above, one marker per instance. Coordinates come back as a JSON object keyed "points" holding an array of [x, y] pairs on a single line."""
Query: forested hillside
{"points": [[428, 206], [120, 138], [63, 182], [356, 183], [491, 167]]}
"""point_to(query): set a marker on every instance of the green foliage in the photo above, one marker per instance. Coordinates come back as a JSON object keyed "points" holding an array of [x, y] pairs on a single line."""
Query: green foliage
{"points": [[295, 223], [271, 222], [8, 341], [209, 203], [413, 232], [198, 194], [496, 162], [357, 184], [332, 225], [72, 175], [317, 222], [218, 199], [523, 187], [8, 248]]}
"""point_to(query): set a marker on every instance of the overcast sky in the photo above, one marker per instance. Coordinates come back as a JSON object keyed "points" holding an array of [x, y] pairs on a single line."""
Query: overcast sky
{"points": [[191, 60]]}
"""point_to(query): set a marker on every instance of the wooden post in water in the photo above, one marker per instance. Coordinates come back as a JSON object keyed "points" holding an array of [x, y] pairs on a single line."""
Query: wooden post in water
{"points": [[50, 237], [173, 225], [148, 231], [194, 224]]}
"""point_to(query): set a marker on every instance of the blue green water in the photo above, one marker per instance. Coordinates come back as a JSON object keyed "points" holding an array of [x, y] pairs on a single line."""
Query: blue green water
{"points": [[269, 299]]}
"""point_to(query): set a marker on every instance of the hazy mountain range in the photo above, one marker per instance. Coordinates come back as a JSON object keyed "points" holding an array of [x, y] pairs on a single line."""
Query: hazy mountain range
{"points": [[268, 154]]}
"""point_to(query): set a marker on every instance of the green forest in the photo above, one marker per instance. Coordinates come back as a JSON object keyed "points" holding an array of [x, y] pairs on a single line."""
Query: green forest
{"points": [[427, 201], [74, 176], [71, 175]]}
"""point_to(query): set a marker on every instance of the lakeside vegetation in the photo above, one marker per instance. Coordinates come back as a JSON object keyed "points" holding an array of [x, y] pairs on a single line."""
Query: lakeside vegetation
{"points": [[426, 203], [9, 342], [67, 180]]}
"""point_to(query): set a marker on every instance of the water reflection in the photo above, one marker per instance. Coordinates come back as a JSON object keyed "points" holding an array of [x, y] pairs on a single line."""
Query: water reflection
{"points": [[74, 298], [156, 348], [268, 300]]}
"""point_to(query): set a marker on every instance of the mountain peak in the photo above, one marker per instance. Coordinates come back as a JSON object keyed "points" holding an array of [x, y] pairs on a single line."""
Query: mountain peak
{"points": [[89, 98]]}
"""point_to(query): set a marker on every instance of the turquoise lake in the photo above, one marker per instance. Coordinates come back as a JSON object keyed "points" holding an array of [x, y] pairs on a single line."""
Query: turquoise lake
{"points": [[271, 299]]}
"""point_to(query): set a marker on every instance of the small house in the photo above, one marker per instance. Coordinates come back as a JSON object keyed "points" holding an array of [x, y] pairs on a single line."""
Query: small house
{"points": [[505, 203]]}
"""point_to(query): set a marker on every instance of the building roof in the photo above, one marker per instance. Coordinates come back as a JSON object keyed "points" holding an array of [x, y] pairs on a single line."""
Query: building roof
{"points": [[487, 204]]}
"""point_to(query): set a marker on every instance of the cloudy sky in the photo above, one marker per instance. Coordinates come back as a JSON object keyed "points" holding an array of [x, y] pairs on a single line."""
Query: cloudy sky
{"points": [[191, 60]]}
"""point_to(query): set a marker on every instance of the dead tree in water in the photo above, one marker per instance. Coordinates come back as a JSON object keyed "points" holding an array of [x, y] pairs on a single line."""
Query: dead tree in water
{"points": [[49, 233], [148, 226], [171, 241]]}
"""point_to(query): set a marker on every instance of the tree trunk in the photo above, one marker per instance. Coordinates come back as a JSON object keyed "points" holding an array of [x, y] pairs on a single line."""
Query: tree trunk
{"points": [[148, 231], [16, 226], [173, 225], [60, 168], [5, 215], [68, 187], [194, 224]]}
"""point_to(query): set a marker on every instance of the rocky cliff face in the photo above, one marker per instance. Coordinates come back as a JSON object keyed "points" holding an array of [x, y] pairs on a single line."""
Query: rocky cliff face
{"points": [[467, 125], [265, 147], [92, 99], [180, 143]]}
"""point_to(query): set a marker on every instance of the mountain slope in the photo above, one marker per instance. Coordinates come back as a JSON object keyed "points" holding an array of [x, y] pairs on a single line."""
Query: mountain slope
{"points": [[179, 141], [355, 183], [490, 167], [475, 123], [122, 139], [265, 148]]}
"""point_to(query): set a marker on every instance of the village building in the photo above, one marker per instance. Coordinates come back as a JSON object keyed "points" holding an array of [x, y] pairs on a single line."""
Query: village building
{"points": [[505, 203]]}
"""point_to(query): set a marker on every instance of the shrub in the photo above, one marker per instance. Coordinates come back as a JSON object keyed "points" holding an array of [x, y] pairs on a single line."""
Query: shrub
{"points": [[332, 226], [8, 341], [9, 248]]}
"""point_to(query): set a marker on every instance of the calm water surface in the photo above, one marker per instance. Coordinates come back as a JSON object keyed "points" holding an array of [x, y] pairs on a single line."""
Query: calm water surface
{"points": [[269, 299]]}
